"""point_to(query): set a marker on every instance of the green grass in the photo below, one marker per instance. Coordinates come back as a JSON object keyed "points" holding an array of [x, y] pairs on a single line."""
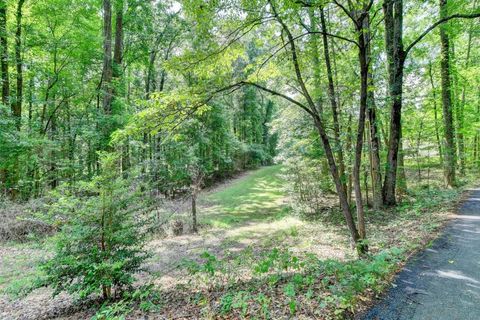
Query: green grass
{"points": [[258, 196], [18, 269]]}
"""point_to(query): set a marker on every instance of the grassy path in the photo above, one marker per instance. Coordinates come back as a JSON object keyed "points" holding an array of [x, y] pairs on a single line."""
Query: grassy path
{"points": [[255, 196], [248, 211]]}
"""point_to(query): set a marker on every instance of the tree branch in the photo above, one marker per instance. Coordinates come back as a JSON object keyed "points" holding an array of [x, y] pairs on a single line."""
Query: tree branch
{"points": [[273, 92], [436, 24], [346, 12]]}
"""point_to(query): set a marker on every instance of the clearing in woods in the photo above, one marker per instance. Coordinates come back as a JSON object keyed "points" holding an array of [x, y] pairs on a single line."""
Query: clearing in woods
{"points": [[250, 211]]}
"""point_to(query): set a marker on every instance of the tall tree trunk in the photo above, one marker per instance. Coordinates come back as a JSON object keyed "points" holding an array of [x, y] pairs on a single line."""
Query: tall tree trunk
{"points": [[118, 48], [317, 77], [5, 174], [333, 101], [373, 125], [30, 104], [118, 89], [313, 43], [393, 12], [53, 153], [449, 131], [19, 64], [476, 141], [362, 24], [107, 57], [4, 58]]}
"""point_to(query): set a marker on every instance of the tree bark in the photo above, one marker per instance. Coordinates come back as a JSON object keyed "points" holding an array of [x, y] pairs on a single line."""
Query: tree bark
{"points": [[449, 131], [333, 101], [362, 27], [107, 57], [17, 111], [118, 48], [393, 12], [313, 43], [4, 53], [373, 125]]}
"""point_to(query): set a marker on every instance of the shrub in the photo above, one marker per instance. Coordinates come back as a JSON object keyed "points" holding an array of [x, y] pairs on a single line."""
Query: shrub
{"points": [[307, 186], [100, 243]]}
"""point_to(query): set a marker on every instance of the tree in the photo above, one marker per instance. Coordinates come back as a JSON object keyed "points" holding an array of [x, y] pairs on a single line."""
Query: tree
{"points": [[4, 56], [17, 108], [396, 56], [107, 59], [450, 149], [100, 246]]}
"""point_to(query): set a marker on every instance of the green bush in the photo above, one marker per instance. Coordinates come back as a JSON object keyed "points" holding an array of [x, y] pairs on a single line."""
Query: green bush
{"points": [[100, 244]]}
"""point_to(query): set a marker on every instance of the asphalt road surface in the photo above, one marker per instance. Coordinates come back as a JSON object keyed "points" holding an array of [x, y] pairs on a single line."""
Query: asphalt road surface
{"points": [[443, 281]]}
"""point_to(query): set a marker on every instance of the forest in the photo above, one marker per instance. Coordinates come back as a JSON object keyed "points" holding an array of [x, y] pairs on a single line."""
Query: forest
{"points": [[228, 159]]}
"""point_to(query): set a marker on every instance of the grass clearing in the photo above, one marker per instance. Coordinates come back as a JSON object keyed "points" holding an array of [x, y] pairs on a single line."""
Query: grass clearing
{"points": [[257, 196]]}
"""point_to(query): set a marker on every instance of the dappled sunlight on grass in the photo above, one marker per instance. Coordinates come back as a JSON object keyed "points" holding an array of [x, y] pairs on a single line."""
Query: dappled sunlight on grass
{"points": [[257, 196]]}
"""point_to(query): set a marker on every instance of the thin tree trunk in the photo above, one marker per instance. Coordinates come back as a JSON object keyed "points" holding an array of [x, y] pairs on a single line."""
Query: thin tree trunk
{"points": [[419, 141], [366, 167], [435, 114], [4, 174], [349, 147], [402, 176], [333, 101], [30, 104], [118, 48], [449, 132], [53, 153], [194, 213], [107, 57], [461, 110], [374, 133], [313, 43], [4, 57], [363, 59], [476, 150], [317, 86], [19, 64]]}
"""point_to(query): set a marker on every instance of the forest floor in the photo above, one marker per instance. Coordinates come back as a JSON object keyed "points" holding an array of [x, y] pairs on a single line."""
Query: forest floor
{"points": [[244, 223]]}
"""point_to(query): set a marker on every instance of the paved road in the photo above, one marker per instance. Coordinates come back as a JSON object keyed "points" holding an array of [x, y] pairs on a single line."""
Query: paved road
{"points": [[442, 282]]}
